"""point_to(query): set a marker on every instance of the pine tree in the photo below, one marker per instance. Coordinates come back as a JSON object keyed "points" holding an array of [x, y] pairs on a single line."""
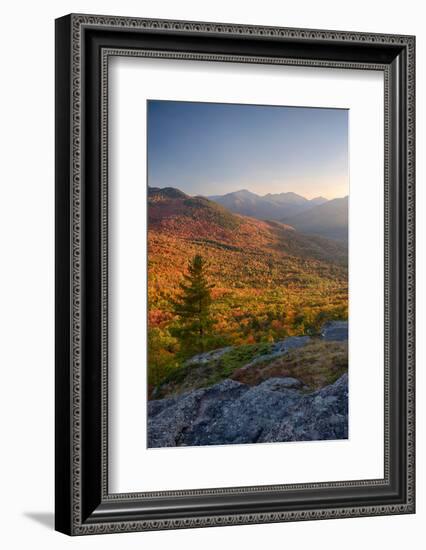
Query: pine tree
{"points": [[192, 308]]}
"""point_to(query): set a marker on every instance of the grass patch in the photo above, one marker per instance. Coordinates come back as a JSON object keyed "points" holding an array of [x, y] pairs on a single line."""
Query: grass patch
{"points": [[316, 365], [242, 355]]}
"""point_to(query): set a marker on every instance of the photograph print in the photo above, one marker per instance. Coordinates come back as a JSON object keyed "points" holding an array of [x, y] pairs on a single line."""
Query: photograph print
{"points": [[247, 274]]}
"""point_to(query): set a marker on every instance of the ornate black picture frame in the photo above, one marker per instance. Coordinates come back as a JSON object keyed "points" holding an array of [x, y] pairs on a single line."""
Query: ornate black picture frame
{"points": [[83, 45]]}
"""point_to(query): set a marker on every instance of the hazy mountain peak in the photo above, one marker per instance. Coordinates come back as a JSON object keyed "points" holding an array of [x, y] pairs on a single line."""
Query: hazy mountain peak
{"points": [[329, 219], [243, 192], [316, 201], [291, 194], [288, 197]]}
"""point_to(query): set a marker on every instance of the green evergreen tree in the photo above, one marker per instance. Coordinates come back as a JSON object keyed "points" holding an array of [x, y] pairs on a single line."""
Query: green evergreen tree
{"points": [[192, 308]]}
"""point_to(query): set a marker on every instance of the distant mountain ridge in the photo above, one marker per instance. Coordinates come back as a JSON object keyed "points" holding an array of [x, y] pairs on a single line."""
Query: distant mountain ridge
{"points": [[328, 220], [249, 204], [317, 216], [273, 206], [294, 199]]}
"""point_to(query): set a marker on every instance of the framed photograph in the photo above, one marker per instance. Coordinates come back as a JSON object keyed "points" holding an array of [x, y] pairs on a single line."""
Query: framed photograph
{"points": [[234, 274]]}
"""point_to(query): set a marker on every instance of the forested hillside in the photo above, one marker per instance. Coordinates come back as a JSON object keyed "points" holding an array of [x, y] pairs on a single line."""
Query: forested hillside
{"points": [[266, 281]]}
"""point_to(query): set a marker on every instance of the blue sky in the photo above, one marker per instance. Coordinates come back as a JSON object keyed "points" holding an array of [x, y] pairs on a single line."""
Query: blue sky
{"points": [[216, 148]]}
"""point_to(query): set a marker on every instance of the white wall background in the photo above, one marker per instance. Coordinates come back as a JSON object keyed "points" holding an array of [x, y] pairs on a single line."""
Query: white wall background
{"points": [[26, 289]]}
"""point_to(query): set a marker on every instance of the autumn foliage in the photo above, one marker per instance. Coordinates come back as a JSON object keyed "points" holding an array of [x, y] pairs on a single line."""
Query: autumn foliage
{"points": [[262, 281]]}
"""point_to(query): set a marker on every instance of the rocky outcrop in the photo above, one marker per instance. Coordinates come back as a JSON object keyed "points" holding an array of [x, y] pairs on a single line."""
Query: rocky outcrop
{"points": [[207, 357], [264, 399], [232, 412], [335, 331]]}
